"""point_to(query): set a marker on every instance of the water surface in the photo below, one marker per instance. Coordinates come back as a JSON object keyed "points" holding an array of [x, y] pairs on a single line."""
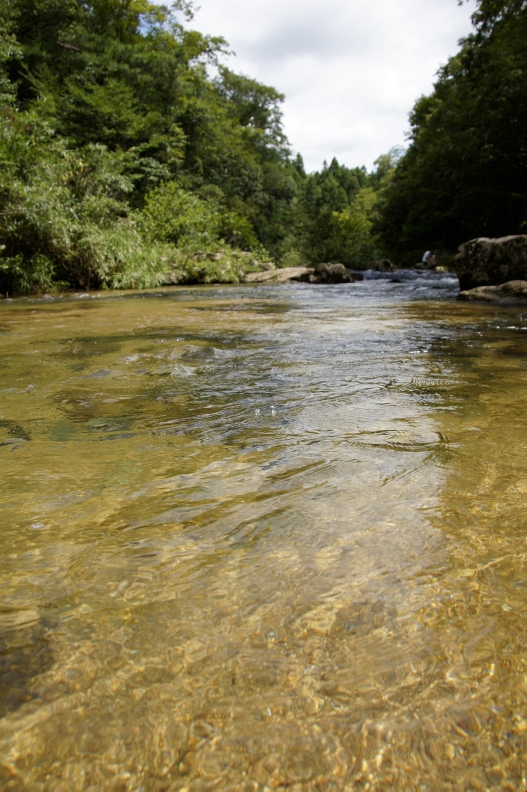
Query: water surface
{"points": [[256, 538]]}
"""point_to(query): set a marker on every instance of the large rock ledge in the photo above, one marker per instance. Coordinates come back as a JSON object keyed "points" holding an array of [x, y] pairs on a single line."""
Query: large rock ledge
{"points": [[322, 273], [279, 275], [511, 292], [490, 262]]}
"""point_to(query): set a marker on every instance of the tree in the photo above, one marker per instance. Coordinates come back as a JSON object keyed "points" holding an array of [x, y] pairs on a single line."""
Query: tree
{"points": [[109, 117], [465, 171]]}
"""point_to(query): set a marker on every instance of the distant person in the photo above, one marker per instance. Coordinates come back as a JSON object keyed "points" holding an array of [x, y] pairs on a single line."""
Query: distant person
{"points": [[429, 259]]}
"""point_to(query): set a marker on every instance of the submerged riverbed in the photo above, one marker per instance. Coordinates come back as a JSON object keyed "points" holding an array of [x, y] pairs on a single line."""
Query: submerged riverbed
{"points": [[256, 538]]}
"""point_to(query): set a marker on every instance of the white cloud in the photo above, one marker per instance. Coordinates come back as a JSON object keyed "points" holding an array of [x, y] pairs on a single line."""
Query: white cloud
{"points": [[350, 69]]}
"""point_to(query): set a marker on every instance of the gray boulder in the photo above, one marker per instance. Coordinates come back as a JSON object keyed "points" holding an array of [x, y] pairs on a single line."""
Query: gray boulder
{"points": [[511, 292], [384, 265], [334, 273], [489, 262], [356, 275], [284, 275]]}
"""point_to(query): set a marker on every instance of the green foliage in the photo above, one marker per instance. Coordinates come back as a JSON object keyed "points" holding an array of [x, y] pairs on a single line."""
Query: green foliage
{"points": [[292, 258], [490, 12], [64, 216], [185, 220], [341, 209], [174, 215], [327, 194], [9, 50], [221, 264], [118, 152], [353, 240], [464, 174], [123, 161]]}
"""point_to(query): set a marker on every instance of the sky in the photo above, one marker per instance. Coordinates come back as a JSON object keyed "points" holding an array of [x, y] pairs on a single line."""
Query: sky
{"points": [[351, 70]]}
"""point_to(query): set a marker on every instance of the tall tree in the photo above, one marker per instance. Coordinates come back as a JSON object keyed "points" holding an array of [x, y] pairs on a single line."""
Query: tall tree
{"points": [[465, 171]]}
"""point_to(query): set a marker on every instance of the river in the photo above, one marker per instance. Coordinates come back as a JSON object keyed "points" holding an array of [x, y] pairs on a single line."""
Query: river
{"points": [[258, 538]]}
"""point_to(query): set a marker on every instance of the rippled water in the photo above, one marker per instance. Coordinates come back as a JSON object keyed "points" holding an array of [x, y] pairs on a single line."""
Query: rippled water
{"points": [[256, 538]]}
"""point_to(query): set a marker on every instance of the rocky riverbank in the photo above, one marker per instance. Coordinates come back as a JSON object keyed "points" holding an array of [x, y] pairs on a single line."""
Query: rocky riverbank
{"points": [[240, 267], [491, 262]]}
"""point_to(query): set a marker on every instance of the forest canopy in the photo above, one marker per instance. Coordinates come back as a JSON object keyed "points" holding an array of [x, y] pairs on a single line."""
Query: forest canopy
{"points": [[124, 159]]}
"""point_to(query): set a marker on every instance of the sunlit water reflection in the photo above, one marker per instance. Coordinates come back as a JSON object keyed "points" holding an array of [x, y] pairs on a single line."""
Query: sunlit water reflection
{"points": [[256, 538]]}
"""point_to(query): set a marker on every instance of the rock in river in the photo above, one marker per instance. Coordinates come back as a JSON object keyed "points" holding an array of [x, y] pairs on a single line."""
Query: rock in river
{"points": [[512, 291], [489, 262], [280, 275], [334, 273], [322, 273], [384, 265]]}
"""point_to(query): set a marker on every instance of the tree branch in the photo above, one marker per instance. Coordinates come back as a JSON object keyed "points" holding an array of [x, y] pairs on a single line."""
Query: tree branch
{"points": [[68, 46]]}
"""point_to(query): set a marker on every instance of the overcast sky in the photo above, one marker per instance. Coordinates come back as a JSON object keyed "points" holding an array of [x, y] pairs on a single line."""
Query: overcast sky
{"points": [[351, 70]]}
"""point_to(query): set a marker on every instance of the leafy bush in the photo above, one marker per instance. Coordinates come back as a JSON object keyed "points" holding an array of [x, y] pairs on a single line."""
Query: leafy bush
{"points": [[182, 218], [173, 215], [293, 258], [214, 266], [353, 241], [65, 219]]}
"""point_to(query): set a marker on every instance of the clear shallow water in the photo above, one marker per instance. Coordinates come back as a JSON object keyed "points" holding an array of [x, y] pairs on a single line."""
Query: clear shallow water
{"points": [[256, 538]]}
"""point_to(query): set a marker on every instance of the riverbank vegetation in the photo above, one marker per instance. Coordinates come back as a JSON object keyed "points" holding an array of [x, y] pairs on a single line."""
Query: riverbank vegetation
{"points": [[126, 164], [464, 174]]}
